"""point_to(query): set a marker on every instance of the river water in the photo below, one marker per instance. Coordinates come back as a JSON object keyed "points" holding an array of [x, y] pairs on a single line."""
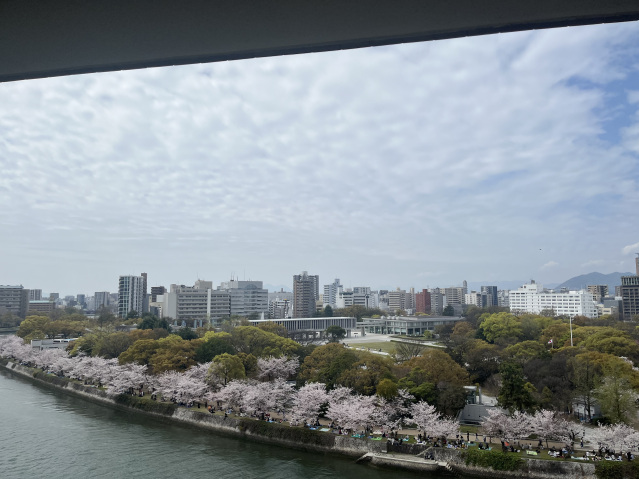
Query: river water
{"points": [[47, 433]]}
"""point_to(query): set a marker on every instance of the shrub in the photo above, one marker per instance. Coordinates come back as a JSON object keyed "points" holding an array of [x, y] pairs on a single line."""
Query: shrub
{"points": [[617, 470], [497, 460], [298, 435], [146, 404]]}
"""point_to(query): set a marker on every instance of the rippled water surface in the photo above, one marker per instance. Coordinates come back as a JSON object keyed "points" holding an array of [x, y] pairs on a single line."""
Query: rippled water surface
{"points": [[47, 433]]}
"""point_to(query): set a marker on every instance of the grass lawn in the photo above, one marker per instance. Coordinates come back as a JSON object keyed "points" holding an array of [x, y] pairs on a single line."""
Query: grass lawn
{"points": [[385, 346]]}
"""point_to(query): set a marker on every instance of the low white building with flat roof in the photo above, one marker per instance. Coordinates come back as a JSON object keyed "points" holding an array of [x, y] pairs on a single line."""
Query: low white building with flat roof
{"points": [[533, 298]]}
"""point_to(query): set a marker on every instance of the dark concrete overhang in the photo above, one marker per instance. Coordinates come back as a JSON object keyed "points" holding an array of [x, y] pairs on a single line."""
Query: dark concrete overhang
{"points": [[43, 38]]}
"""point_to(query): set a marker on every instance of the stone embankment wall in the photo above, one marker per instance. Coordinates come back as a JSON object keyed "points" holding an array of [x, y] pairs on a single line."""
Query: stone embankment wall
{"points": [[533, 468], [305, 439], [273, 433]]}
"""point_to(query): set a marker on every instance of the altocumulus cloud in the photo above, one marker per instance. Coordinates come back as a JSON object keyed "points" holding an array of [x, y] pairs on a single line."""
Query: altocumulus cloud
{"points": [[377, 165]]}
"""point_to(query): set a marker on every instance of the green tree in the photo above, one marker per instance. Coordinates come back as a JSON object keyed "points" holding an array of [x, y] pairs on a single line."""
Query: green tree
{"points": [[35, 327], [174, 354], [274, 328], [387, 389], [515, 394], [526, 351], [417, 382], [407, 350], [615, 396], [335, 333], [150, 321], [139, 352], [252, 340], [225, 368], [326, 364], [112, 345], [105, 317], [364, 375], [328, 311], [133, 314], [501, 326], [482, 360], [586, 379], [186, 333], [449, 311], [212, 347]]}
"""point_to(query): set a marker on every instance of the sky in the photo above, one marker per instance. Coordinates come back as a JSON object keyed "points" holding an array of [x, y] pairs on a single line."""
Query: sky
{"points": [[494, 158]]}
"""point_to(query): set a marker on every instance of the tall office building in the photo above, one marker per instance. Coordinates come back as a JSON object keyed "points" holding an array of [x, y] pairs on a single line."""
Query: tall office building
{"points": [[437, 301], [491, 295], [101, 300], [305, 294], [157, 291], [82, 299], [35, 295], [131, 295], [247, 297], [599, 291], [422, 301], [15, 300], [396, 300], [630, 294]]}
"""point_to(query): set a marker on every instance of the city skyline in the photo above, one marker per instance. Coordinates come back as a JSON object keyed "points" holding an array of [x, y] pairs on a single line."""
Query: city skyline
{"points": [[497, 158]]}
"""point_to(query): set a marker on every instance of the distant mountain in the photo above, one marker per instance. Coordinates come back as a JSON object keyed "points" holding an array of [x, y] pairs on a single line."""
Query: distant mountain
{"points": [[582, 281]]}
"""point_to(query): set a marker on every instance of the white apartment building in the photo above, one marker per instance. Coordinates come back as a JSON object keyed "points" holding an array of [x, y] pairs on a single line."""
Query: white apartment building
{"points": [[131, 295], [358, 296], [532, 298], [331, 291]]}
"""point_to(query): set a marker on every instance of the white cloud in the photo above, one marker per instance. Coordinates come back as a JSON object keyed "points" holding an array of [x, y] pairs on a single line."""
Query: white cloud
{"points": [[549, 265], [631, 248], [455, 156]]}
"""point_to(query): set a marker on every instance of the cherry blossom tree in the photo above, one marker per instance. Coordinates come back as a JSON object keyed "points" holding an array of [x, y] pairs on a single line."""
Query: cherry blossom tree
{"points": [[307, 403], [13, 347], [277, 368], [395, 413], [45, 358], [128, 376], [233, 393], [615, 436], [353, 412], [425, 417]]}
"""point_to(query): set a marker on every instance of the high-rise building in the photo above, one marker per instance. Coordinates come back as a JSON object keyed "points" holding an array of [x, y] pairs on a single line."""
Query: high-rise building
{"points": [[422, 302], [145, 302], [491, 295], [599, 291], [156, 291], [101, 300], [437, 301], [305, 294], [455, 295], [131, 295], [409, 300], [476, 299], [247, 297], [397, 300], [35, 295], [15, 300], [54, 296], [630, 294], [81, 299], [331, 291]]}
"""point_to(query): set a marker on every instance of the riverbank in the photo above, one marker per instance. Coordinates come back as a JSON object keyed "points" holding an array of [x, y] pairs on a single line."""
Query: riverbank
{"points": [[376, 452]]}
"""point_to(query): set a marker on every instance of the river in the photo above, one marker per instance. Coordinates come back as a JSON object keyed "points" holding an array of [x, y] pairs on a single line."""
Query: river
{"points": [[47, 433]]}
